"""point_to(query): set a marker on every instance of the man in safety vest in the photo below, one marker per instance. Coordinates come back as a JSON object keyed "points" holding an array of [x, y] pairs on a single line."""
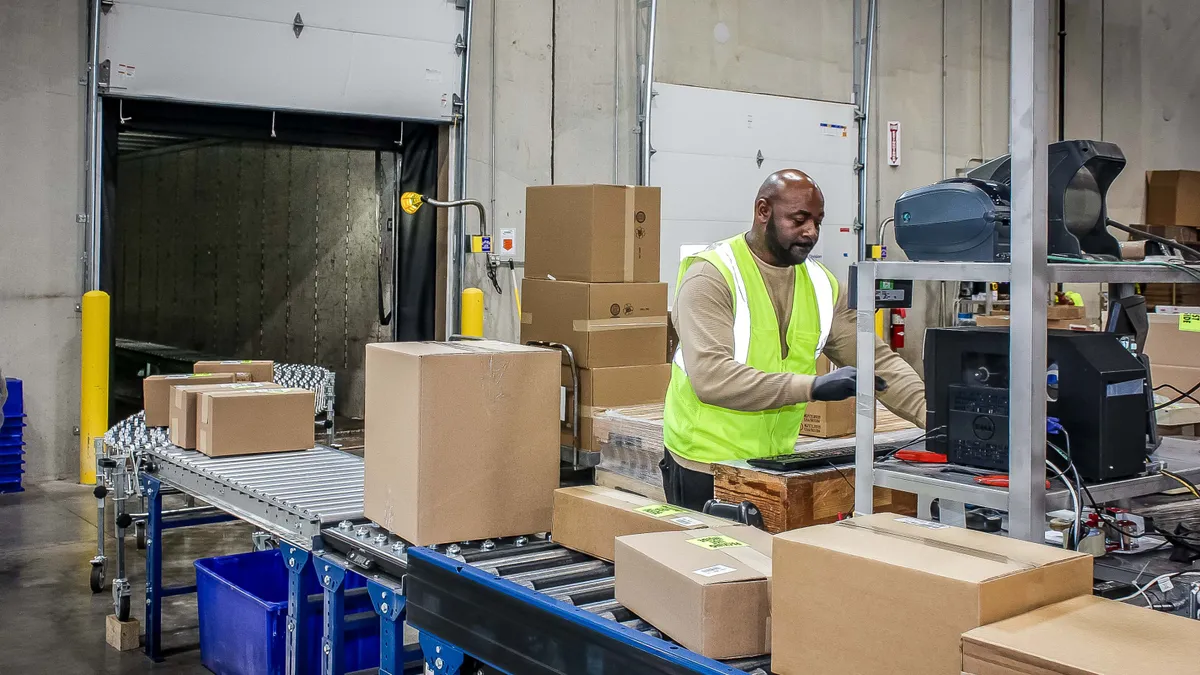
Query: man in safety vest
{"points": [[753, 313]]}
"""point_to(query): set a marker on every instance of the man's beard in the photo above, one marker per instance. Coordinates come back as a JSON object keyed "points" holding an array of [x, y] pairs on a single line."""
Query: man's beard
{"points": [[783, 254]]}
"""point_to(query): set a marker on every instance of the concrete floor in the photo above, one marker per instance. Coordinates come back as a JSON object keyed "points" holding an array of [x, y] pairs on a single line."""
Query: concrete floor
{"points": [[50, 622]]}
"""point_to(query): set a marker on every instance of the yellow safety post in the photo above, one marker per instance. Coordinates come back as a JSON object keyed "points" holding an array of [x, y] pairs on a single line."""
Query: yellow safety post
{"points": [[93, 408], [472, 312]]}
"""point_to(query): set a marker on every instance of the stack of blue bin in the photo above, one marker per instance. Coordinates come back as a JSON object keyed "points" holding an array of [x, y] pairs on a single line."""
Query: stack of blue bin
{"points": [[12, 438]]}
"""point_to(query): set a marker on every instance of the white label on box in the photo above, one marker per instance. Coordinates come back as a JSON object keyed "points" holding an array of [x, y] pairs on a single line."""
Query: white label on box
{"points": [[1165, 585], [714, 570], [927, 524], [562, 404], [686, 521]]}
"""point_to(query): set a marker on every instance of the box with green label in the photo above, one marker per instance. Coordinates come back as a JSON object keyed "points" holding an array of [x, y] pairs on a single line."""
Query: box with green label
{"points": [[589, 518], [156, 392], [706, 589], [259, 371]]}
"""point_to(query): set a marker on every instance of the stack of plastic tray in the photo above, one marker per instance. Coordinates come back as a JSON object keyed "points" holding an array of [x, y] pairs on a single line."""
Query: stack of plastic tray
{"points": [[12, 438]]}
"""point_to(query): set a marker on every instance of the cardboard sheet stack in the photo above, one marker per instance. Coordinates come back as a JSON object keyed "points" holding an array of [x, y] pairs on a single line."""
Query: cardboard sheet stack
{"points": [[592, 283]]}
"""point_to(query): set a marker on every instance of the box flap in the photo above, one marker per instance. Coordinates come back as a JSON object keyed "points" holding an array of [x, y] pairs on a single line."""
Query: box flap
{"points": [[1088, 636], [709, 556], [457, 348], [941, 550]]}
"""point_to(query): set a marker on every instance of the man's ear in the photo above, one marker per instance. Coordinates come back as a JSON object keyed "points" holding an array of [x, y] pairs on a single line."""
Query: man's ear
{"points": [[762, 210]]}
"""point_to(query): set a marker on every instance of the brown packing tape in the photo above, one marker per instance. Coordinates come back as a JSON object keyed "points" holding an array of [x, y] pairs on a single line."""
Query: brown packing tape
{"points": [[526, 317], [752, 558], [619, 323], [630, 233], [945, 546]]}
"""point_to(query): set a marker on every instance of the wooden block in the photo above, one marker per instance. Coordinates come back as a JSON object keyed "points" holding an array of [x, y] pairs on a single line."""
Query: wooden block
{"points": [[792, 501], [122, 635]]}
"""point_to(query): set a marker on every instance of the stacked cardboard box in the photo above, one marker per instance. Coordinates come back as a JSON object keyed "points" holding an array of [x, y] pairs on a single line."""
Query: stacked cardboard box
{"points": [[592, 284], [1174, 352], [1172, 211], [156, 391], [254, 421]]}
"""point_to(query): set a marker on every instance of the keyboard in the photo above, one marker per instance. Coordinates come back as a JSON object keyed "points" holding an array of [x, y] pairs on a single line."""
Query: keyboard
{"points": [[814, 459]]}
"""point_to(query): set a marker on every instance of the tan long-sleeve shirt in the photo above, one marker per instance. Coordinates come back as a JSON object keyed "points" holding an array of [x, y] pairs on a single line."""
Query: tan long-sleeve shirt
{"points": [[703, 318]]}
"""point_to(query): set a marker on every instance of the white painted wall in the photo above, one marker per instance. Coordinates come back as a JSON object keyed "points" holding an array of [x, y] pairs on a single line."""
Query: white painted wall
{"points": [[41, 190]]}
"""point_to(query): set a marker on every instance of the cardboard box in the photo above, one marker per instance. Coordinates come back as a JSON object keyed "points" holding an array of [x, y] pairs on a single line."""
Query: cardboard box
{"points": [[604, 388], [1173, 198], [185, 407], [461, 439], [590, 518], [605, 325], [1181, 234], [256, 421], [828, 419], [1059, 324], [1084, 636], [706, 589], [1167, 344], [913, 586], [156, 392], [259, 371], [1182, 378], [592, 232]]}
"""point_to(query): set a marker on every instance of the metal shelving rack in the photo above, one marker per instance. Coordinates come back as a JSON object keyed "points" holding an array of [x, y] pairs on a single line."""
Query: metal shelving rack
{"points": [[1029, 275]]}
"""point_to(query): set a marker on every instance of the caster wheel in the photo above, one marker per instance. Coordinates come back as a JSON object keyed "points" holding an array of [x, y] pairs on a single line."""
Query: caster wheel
{"points": [[123, 608], [97, 578], [140, 535]]}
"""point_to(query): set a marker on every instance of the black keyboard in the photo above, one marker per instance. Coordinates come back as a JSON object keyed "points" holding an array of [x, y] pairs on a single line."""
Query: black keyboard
{"points": [[814, 459]]}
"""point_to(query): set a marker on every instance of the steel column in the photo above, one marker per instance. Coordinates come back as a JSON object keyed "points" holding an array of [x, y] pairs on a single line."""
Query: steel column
{"points": [[295, 559], [153, 646], [1030, 129], [94, 140], [648, 92], [864, 400], [331, 575]]}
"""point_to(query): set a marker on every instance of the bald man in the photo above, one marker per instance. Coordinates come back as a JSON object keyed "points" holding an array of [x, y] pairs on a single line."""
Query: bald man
{"points": [[753, 314]]}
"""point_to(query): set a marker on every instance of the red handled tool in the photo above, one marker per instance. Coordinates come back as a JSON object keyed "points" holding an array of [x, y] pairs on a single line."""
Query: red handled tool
{"points": [[998, 480], [921, 456]]}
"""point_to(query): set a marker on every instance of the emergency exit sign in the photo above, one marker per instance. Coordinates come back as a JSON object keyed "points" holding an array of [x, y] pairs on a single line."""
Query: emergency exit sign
{"points": [[893, 144]]}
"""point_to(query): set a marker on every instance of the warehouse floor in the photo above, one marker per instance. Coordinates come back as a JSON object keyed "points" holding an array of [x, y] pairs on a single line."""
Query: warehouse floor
{"points": [[51, 622]]}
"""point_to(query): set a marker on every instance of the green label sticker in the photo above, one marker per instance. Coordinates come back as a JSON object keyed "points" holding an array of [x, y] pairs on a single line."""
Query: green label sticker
{"points": [[661, 510], [1189, 323], [717, 542], [885, 285]]}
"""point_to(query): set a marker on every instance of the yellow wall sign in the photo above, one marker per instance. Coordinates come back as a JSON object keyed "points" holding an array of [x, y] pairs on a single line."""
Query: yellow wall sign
{"points": [[1189, 323]]}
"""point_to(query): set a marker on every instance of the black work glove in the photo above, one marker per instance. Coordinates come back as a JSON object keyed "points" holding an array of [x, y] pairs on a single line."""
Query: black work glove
{"points": [[840, 385]]}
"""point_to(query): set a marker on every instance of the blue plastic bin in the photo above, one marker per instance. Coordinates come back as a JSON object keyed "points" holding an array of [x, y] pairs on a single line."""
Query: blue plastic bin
{"points": [[242, 602], [15, 405]]}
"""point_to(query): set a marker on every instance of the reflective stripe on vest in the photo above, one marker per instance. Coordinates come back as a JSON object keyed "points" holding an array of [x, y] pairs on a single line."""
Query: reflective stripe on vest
{"points": [[741, 306]]}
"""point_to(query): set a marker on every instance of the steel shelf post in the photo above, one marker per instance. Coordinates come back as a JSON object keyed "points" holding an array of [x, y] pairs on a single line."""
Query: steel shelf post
{"points": [[864, 400]]}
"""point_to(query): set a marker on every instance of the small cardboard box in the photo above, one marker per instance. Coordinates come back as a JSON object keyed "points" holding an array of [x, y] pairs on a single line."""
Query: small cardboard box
{"points": [[707, 589], [589, 518], [1182, 378], [461, 439], [1053, 324], [1173, 198], [1083, 636], [156, 392], [912, 585], [592, 232], [185, 408], [605, 325], [260, 371], [254, 421], [828, 419], [604, 388]]}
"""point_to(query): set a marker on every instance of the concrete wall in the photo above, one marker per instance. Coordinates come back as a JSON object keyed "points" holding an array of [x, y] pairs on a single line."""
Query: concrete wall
{"points": [[41, 190]]}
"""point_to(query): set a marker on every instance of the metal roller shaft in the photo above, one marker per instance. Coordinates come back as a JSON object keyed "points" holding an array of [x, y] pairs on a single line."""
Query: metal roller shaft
{"points": [[540, 559], [582, 588]]}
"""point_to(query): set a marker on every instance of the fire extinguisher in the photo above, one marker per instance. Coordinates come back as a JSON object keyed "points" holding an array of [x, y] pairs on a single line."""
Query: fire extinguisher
{"points": [[897, 330]]}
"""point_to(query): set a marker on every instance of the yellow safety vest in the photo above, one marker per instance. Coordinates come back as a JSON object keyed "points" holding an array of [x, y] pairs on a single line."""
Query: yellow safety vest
{"points": [[704, 433]]}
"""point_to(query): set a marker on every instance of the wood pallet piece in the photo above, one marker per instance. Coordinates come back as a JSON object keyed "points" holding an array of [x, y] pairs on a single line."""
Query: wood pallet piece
{"points": [[794, 500]]}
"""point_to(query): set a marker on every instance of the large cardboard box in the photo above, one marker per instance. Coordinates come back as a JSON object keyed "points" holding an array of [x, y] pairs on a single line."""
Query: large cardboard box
{"points": [[1003, 320], [592, 232], [1167, 344], [604, 388], [1084, 636], [913, 586], [589, 518], [259, 371], [156, 392], [1173, 198], [706, 589], [185, 408], [255, 421], [828, 419], [605, 325], [461, 439], [1182, 378]]}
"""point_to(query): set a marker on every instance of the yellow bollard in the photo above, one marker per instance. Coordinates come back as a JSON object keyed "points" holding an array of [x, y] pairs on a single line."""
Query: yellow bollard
{"points": [[472, 312], [93, 408]]}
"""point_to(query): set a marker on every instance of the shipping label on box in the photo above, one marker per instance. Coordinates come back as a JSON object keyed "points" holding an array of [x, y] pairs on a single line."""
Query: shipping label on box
{"points": [[259, 371]]}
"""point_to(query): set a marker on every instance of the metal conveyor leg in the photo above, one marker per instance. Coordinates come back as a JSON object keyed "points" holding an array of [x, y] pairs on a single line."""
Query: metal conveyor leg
{"points": [[390, 604], [331, 577], [153, 646], [441, 658], [296, 560]]}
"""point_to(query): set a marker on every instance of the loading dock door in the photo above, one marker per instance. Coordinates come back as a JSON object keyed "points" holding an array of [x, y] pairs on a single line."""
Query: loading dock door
{"points": [[707, 144]]}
